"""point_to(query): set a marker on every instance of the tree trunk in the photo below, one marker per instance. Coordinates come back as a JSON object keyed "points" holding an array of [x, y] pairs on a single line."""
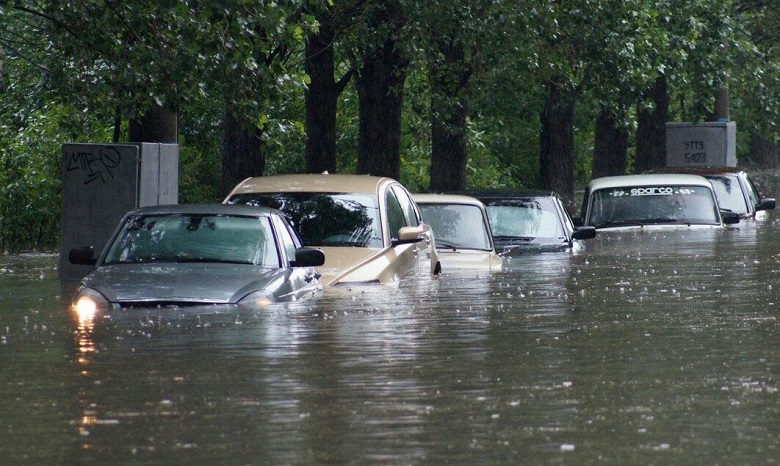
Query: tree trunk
{"points": [[321, 101], [763, 152], [556, 142], [449, 151], [610, 151], [158, 124], [380, 98], [651, 129], [721, 109], [242, 151]]}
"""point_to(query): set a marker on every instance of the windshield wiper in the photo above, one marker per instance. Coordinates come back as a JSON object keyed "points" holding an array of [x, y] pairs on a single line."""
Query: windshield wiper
{"points": [[618, 224], [194, 260], [446, 245], [643, 222], [346, 244], [513, 239], [656, 220]]}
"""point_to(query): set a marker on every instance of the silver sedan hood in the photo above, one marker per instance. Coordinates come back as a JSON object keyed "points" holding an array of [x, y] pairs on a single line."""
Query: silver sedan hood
{"points": [[183, 283]]}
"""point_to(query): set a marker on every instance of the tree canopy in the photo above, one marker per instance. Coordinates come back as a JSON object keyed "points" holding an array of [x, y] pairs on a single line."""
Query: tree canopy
{"points": [[286, 82]]}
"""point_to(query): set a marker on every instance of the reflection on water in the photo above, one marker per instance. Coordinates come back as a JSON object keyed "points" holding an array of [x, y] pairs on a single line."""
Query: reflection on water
{"points": [[646, 348]]}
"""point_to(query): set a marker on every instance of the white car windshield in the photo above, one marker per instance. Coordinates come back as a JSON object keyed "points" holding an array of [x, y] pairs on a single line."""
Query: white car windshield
{"points": [[195, 238], [457, 226], [648, 205], [729, 193], [325, 219]]}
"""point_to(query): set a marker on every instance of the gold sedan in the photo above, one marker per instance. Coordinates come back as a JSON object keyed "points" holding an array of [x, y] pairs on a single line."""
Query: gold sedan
{"points": [[369, 227], [462, 230]]}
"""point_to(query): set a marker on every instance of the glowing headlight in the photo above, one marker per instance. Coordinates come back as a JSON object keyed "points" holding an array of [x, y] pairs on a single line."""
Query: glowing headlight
{"points": [[257, 299], [88, 303]]}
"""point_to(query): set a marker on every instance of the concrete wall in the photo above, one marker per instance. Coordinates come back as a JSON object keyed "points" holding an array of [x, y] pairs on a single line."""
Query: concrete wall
{"points": [[701, 145], [102, 182]]}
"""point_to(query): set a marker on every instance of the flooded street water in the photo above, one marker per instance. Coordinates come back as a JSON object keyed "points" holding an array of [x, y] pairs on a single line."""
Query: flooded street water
{"points": [[656, 348]]}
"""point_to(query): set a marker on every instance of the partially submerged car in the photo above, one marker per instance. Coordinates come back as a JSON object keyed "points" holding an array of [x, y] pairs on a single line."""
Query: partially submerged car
{"points": [[462, 231], [369, 227], [733, 188], [531, 221], [182, 255], [653, 201]]}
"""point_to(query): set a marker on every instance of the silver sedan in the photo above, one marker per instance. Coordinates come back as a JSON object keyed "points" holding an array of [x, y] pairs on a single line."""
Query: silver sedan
{"points": [[198, 254]]}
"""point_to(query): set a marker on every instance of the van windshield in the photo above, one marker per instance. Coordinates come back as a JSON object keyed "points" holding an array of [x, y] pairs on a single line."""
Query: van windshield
{"points": [[652, 205]]}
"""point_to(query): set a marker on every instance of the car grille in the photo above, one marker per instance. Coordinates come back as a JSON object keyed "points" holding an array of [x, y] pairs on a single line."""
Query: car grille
{"points": [[161, 304]]}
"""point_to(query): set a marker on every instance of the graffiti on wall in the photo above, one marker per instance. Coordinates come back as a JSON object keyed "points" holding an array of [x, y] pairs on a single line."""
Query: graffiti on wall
{"points": [[96, 166]]}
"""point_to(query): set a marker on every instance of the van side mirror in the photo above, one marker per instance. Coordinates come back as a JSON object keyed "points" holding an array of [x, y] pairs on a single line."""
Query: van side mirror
{"points": [[729, 218], [584, 232], [765, 203]]}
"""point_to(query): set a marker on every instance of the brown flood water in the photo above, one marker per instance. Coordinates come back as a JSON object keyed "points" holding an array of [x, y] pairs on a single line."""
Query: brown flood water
{"points": [[655, 348]]}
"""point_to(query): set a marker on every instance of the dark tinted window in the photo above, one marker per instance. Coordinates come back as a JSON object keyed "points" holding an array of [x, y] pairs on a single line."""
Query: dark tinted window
{"points": [[407, 206], [396, 217]]}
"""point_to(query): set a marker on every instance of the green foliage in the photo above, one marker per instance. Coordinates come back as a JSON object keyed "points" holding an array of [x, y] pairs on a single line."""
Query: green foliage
{"points": [[30, 174], [69, 68]]}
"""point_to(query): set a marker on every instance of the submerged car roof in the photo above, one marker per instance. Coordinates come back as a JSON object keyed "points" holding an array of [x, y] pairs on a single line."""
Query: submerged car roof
{"points": [[653, 179], [424, 198], [321, 183], [207, 209]]}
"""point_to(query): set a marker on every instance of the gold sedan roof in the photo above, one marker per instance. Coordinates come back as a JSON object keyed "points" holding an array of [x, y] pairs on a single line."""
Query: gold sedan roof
{"points": [[322, 183]]}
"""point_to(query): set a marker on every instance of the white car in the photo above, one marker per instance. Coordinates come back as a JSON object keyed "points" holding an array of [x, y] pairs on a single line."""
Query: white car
{"points": [[462, 231], [734, 189], [653, 201], [369, 227]]}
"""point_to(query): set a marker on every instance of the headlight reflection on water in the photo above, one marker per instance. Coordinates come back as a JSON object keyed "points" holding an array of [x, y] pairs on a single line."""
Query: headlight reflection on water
{"points": [[86, 307], [86, 310]]}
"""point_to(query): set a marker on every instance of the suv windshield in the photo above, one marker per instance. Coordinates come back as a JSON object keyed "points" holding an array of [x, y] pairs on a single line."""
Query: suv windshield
{"points": [[524, 218], [647, 205], [325, 219]]}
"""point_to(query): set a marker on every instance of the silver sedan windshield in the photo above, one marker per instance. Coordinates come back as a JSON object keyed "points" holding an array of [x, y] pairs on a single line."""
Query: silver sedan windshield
{"points": [[195, 238]]}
